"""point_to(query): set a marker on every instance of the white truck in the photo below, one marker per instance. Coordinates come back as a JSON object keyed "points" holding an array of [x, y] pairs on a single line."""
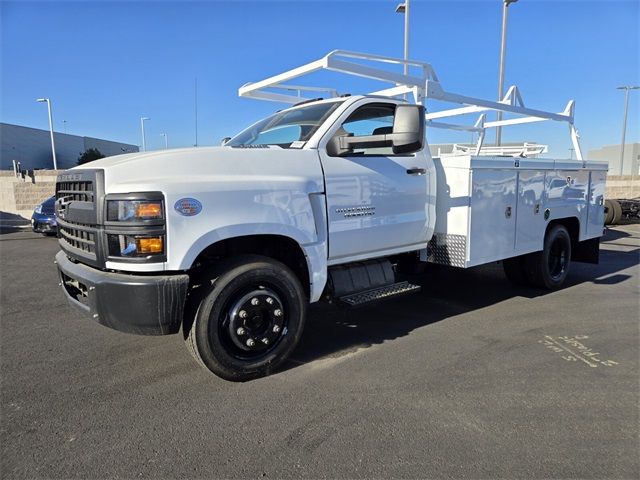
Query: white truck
{"points": [[330, 200]]}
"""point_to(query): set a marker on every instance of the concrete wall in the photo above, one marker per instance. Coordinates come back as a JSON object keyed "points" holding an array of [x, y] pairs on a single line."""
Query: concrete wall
{"points": [[623, 186], [32, 147], [611, 155], [19, 197]]}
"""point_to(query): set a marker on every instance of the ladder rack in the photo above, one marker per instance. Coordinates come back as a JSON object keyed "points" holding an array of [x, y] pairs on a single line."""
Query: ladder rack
{"points": [[422, 84]]}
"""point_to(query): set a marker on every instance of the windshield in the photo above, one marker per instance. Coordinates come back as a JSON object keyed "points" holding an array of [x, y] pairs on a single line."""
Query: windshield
{"points": [[286, 127]]}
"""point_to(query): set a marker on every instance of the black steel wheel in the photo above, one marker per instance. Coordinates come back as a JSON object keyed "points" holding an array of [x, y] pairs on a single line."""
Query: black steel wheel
{"points": [[249, 319], [548, 269]]}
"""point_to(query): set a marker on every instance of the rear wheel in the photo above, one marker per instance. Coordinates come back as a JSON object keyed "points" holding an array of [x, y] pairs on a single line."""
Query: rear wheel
{"points": [[608, 217], [549, 268], [617, 212], [249, 319]]}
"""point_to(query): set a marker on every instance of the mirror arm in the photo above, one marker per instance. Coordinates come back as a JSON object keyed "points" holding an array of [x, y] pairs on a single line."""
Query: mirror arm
{"points": [[367, 141]]}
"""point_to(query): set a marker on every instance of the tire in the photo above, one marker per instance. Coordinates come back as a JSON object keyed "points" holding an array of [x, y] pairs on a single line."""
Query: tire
{"points": [[514, 269], [548, 269], [617, 212], [252, 299], [609, 213]]}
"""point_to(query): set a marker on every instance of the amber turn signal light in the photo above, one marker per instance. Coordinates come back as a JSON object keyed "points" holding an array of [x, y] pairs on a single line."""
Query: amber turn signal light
{"points": [[149, 210], [149, 245]]}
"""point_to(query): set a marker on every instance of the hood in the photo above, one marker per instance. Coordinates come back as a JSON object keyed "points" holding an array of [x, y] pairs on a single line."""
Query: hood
{"points": [[168, 155], [140, 156], [160, 169]]}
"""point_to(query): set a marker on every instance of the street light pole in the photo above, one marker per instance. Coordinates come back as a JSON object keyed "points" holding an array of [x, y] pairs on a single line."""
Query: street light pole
{"points": [[503, 54], [53, 145], [404, 8], [626, 89], [144, 139], [166, 140]]}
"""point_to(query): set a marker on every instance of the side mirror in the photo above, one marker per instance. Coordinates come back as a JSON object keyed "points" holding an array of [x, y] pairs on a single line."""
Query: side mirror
{"points": [[407, 135], [224, 141], [342, 145], [408, 129]]}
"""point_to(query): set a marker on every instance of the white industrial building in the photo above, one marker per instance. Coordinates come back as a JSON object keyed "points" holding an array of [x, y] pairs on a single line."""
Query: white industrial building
{"points": [[611, 154]]}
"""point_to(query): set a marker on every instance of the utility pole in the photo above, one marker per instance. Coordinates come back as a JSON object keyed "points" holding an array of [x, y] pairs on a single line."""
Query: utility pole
{"points": [[144, 139], [404, 8], [196, 108], [626, 89], [166, 140], [53, 145], [503, 54]]}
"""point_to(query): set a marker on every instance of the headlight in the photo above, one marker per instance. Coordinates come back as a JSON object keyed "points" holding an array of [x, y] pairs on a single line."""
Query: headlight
{"points": [[135, 227], [134, 210], [38, 209], [131, 246]]}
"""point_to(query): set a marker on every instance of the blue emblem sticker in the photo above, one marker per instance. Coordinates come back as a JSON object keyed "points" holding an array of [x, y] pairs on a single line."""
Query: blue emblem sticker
{"points": [[188, 207]]}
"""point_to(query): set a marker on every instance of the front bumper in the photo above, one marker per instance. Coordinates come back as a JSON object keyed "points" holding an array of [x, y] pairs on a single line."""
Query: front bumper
{"points": [[140, 304], [41, 223]]}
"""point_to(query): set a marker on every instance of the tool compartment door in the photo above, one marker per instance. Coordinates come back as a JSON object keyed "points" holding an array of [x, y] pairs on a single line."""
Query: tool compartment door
{"points": [[595, 224], [530, 223], [493, 214]]}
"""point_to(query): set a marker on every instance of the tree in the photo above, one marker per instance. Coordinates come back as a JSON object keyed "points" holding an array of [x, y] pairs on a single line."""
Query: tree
{"points": [[89, 156]]}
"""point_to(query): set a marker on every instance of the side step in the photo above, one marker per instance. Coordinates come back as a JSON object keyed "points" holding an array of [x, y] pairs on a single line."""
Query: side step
{"points": [[380, 293]]}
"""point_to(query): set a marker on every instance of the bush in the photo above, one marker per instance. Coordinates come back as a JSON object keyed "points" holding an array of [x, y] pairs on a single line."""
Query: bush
{"points": [[89, 156]]}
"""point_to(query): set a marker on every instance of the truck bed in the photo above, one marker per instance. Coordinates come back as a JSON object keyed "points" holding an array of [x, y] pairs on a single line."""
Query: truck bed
{"points": [[492, 208]]}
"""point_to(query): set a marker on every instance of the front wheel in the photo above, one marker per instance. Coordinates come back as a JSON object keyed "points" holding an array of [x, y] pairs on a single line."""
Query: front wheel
{"points": [[549, 268], [249, 319]]}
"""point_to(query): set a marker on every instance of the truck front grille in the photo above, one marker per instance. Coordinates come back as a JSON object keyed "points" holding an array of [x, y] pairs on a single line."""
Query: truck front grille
{"points": [[78, 191], [78, 195], [79, 237]]}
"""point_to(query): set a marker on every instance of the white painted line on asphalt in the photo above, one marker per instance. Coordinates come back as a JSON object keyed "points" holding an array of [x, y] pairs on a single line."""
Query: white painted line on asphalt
{"points": [[571, 352]]}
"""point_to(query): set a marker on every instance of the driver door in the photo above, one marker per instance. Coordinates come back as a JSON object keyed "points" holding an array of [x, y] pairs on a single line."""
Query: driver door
{"points": [[376, 200]]}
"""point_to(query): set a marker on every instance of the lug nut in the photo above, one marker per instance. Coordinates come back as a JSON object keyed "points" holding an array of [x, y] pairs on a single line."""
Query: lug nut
{"points": [[277, 312], [265, 341], [276, 328], [270, 300], [240, 331], [251, 342], [242, 314], [255, 301]]}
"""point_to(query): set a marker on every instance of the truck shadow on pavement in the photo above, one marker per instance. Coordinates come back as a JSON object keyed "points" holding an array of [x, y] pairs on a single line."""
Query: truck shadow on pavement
{"points": [[11, 223], [333, 332]]}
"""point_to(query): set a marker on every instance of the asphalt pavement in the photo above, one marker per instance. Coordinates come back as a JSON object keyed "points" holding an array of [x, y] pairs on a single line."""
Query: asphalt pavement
{"points": [[470, 378]]}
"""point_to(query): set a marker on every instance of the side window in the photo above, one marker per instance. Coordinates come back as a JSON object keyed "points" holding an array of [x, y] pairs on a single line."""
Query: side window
{"points": [[371, 119]]}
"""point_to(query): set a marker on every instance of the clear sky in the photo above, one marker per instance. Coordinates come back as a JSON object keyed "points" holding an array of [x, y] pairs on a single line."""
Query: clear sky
{"points": [[106, 64]]}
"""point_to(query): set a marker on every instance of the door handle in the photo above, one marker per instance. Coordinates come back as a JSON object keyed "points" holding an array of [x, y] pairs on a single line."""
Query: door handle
{"points": [[416, 171]]}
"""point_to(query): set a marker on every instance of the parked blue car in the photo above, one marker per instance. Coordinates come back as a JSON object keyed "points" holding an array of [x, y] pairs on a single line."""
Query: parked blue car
{"points": [[43, 219]]}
